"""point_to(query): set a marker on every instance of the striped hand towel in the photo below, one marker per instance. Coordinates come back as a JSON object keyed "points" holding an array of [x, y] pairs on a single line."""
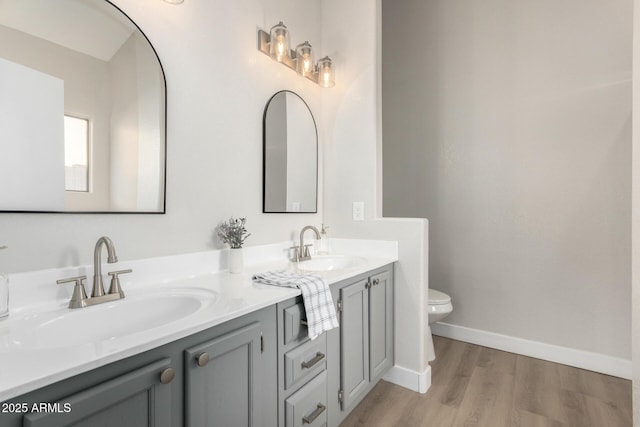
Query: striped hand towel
{"points": [[318, 304]]}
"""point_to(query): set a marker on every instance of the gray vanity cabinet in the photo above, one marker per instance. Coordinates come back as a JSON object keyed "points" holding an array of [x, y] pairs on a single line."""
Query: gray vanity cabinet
{"points": [[137, 398], [234, 387], [365, 338], [260, 369], [380, 324], [302, 364], [354, 341], [222, 380]]}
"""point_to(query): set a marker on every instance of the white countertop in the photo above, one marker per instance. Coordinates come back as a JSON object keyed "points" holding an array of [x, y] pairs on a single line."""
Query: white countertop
{"points": [[28, 364]]}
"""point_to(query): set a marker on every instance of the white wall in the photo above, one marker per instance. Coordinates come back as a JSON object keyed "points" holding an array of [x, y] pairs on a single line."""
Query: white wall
{"points": [[635, 235], [218, 84], [137, 128], [301, 144], [32, 174], [124, 126], [508, 125], [352, 151], [86, 95]]}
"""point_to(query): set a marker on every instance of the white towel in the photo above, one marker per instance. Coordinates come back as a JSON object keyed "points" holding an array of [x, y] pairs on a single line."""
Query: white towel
{"points": [[318, 304]]}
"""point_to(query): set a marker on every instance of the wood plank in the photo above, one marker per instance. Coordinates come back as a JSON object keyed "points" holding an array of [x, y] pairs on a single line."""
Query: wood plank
{"points": [[479, 386], [488, 400]]}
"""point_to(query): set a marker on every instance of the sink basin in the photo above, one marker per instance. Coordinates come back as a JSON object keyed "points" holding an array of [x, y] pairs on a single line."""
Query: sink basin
{"points": [[329, 263], [104, 322]]}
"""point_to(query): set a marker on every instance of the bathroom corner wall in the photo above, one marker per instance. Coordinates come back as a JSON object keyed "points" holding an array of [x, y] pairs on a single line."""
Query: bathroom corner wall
{"points": [[352, 151], [218, 84], [508, 125], [635, 216]]}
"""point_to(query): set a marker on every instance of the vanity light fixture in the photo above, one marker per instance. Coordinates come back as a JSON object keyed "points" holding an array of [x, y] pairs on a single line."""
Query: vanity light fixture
{"points": [[279, 46], [326, 72], [304, 59], [276, 45]]}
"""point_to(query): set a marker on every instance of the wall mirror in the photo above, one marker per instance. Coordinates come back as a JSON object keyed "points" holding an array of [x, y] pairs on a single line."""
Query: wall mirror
{"points": [[82, 110], [290, 155]]}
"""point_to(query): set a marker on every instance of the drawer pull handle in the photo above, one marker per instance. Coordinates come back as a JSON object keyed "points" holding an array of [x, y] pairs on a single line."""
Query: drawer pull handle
{"points": [[315, 414], [318, 357], [167, 376], [303, 322], [202, 359]]}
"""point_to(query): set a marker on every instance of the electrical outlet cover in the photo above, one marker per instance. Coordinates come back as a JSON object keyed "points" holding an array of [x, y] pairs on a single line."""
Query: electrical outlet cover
{"points": [[358, 211]]}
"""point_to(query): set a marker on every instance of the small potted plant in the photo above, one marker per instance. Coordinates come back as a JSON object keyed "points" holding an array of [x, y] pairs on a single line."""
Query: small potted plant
{"points": [[234, 234]]}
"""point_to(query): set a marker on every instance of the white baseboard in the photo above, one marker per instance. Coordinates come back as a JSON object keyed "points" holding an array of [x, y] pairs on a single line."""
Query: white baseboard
{"points": [[416, 381], [596, 362]]}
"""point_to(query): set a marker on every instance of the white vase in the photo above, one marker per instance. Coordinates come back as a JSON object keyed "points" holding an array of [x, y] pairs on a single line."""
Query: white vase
{"points": [[236, 261]]}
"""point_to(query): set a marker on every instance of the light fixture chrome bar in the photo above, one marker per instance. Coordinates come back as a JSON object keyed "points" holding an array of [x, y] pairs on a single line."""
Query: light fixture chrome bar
{"points": [[263, 46]]}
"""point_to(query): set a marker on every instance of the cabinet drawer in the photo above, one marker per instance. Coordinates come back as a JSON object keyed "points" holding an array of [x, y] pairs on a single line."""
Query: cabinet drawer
{"points": [[305, 361], [295, 323], [308, 406]]}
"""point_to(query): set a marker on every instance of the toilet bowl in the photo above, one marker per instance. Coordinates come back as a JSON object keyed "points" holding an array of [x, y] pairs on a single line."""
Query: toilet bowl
{"points": [[439, 306]]}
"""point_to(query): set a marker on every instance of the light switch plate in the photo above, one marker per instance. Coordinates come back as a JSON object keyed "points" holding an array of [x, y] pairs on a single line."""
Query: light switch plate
{"points": [[358, 211]]}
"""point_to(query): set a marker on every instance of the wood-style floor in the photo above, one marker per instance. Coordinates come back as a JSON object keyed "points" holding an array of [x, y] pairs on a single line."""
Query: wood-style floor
{"points": [[479, 386]]}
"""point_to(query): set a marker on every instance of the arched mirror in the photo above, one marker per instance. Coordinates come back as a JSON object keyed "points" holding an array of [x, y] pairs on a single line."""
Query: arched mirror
{"points": [[82, 110], [290, 156]]}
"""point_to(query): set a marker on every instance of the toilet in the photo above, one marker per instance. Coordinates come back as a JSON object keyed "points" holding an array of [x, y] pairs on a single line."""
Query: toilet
{"points": [[439, 307]]}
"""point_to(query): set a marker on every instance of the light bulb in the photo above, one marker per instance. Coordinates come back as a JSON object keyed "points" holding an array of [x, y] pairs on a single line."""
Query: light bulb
{"points": [[304, 59], [326, 72], [279, 49]]}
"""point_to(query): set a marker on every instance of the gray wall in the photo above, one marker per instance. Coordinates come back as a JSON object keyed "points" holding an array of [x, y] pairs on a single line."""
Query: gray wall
{"points": [[507, 125], [635, 321]]}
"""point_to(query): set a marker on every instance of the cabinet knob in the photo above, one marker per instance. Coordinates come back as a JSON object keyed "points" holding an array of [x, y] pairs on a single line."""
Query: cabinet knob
{"points": [[376, 281], [167, 376], [202, 359]]}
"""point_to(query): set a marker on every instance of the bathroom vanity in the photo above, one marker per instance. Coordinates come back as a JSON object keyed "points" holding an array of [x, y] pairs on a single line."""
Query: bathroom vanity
{"points": [[244, 359]]}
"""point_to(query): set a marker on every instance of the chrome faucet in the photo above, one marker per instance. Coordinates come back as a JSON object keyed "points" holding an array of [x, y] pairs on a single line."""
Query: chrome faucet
{"points": [[79, 298], [301, 252]]}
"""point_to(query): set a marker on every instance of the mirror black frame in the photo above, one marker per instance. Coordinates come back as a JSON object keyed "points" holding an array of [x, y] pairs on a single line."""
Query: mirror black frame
{"points": [[264, 155], [163, 209]]}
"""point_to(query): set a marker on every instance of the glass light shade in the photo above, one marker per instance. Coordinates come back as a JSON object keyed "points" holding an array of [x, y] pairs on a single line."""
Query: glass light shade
{"points": [[279, 43], [326, 72], [174, 1], [304, 59]]}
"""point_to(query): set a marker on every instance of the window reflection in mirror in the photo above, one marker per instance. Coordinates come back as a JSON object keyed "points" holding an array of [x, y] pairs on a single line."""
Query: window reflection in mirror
{"points": [[76, 154]]}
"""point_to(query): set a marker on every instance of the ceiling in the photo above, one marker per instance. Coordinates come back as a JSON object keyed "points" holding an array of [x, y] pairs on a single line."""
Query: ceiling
{"points": [[94, 27]]}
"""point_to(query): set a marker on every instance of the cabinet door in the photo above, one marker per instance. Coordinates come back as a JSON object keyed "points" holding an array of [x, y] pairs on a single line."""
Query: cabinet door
{"points": [[222, 380], [135, 399], [354, 341], [380, 324]]}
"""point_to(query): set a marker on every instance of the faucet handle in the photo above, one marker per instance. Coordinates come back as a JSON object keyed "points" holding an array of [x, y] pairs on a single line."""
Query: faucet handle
{"points": [[114, 287], [305, 252], [296, 253], [79, 297]]}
